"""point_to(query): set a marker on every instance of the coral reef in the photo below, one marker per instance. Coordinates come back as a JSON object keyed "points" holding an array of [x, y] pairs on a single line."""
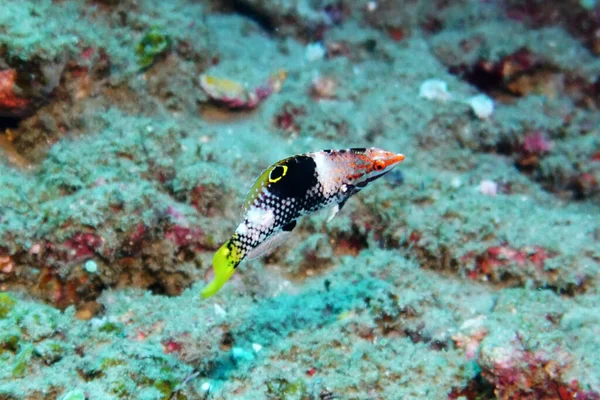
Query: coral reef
{"points": [[131, 131]]}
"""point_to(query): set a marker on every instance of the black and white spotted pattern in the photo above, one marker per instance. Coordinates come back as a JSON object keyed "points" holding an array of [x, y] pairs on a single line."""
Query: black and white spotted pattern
{"points": [[302, 187]]}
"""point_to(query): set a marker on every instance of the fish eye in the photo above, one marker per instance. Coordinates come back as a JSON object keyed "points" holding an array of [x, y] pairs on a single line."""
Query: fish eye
{"points": [[379, 165]]}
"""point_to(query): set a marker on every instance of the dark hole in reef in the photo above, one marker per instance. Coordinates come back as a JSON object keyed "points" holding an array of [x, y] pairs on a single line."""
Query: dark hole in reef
{"points": [[505, 147], [486, 81], [9, 123], [477, 388], [227, 341], [252, 13], [438, 345], [158, 288]]}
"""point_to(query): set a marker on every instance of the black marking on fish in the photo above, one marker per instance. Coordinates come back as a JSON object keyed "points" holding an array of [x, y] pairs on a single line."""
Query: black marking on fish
{"points": [[290, 226], [301, 176], [367, 181]]}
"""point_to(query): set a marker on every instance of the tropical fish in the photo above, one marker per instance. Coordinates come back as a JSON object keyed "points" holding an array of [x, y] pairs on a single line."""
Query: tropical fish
{"points": [[293, 187]]}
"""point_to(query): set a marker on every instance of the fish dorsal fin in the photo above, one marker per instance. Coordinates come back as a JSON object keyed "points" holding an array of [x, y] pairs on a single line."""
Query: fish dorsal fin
{"points": [[261, 182]]}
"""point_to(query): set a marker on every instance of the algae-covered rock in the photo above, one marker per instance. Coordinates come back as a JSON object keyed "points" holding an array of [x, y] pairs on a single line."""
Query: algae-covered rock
{"points": [[280, 388], [10, 337], [7, 302], [424, 285], [112, 328], [40, 323], [50, 351], [22, 361]]}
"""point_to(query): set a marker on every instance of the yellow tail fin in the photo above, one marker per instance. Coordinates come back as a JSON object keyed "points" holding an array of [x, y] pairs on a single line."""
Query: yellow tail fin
{"points": [[224, 262]]}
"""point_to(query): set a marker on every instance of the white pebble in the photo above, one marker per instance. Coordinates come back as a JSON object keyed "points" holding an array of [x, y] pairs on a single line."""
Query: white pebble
{"points": [[91, 266], [205, 386], [482, 106], [257, 347], [241, 354], [314, 52], [434, 89], [219, 310], [456, 182], [488, 187]]}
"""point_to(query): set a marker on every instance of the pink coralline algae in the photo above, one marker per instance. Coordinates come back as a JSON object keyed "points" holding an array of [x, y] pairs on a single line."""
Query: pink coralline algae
{"points": [[536, 143], [287, 118], [10, 103], [171, 346], [492, 261], [471, 341], [525, 374], [81, 246], [534, 146], [184, 236]]}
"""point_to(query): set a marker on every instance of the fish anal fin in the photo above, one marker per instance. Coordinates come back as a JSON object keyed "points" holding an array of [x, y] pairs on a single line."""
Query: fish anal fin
{"points": [[333, 212], [269, 244]]}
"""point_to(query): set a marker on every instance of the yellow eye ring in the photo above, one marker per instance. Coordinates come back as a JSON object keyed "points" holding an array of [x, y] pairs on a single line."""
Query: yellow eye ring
{"points": [[280, 173]]}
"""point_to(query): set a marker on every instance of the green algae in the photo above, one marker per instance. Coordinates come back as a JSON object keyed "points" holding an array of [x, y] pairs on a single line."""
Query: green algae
{"points": [[22, 360], [51, 351], [39, 323], [108, 363], [10, 339], [120, 389], [280, 388], [7, 302], [151, 46], [167, 387], [112, 327]]}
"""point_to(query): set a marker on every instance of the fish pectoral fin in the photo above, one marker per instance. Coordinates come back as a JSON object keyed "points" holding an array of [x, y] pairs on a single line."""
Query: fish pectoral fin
{"points": [[224, 262], [272, 242], [335, 209]]}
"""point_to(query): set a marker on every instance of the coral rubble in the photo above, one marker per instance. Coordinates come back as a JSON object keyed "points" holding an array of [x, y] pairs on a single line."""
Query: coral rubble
{"points": [[131, 131]]}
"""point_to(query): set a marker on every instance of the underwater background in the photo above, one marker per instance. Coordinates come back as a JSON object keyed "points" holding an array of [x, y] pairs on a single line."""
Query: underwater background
{"points": [[131, 131]]}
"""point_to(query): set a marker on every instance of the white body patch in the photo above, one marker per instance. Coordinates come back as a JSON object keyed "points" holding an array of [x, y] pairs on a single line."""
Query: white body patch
{"points": [[324, 172], [242, 229], [260, 218]]}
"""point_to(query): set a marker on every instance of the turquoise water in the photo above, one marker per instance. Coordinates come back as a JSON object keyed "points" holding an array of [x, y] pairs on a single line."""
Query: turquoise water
{"points": [[131, 132]]}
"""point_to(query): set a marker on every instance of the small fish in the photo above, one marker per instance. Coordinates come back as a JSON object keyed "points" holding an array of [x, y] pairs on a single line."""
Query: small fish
{"points": [[293, 187]]}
